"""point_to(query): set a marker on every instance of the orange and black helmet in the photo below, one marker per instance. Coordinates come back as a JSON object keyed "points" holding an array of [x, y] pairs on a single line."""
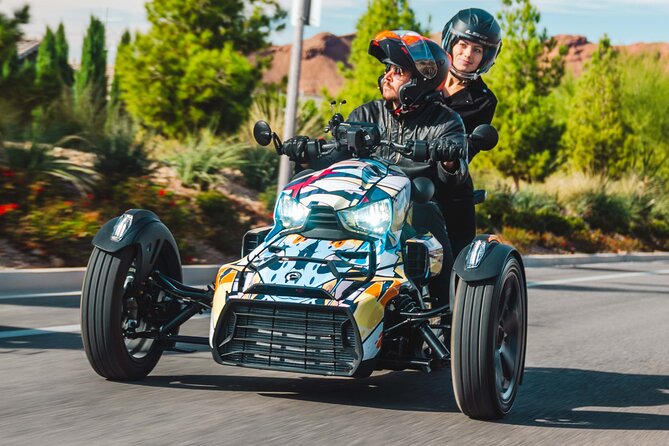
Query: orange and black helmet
{"points": [[425, 59]]}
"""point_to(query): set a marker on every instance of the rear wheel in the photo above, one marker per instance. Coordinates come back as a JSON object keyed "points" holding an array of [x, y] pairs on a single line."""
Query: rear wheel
{"points": [[114, 303], [488, 339]]}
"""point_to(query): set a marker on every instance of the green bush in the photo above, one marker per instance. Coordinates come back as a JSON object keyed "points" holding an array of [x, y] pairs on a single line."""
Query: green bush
{"points": [[62, 228], [608, 212], [490, 215], [219, 221], [268, 197], [260, 167], [198, 164]]}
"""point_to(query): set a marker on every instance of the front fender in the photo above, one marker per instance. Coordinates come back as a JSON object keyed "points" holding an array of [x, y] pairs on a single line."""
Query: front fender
{"points": [[491, 263], [150, 235]]}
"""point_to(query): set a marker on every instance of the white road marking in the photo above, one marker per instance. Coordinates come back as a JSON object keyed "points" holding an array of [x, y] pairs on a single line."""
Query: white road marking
{"points": [[40, 331], [77, 328], [37, 295], [59, 329], [596, 278]]}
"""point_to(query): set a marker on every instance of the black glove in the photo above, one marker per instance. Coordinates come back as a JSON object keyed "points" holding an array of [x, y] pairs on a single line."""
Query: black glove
{"points": [[445, 149], [296, 148]]}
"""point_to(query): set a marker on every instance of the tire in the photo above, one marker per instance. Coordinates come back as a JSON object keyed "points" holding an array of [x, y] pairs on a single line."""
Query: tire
{"points": [[105, 308], [488, 341]]}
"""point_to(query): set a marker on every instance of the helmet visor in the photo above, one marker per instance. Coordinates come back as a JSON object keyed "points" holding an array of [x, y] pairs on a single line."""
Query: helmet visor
{"points": [[415, 46]]}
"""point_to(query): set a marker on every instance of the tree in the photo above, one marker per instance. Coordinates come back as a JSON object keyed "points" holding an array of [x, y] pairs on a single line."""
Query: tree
{"points": [[361, 80], [47, 73], [596, 133], [16, 78], [11, 34], [189, 70], [66, 73], [523, 77], [90, 83], [116, 109], [645, 100]]}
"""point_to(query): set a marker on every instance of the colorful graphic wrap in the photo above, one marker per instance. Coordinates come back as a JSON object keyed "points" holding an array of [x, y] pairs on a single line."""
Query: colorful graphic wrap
{"points": [[340, 268]]}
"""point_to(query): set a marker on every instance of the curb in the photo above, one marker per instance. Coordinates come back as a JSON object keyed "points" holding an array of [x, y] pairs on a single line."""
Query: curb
{"points": [[54, 281]]}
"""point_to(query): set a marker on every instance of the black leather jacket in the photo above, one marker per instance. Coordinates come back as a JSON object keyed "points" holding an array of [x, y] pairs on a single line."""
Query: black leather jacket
{"points": [[428, 122]]}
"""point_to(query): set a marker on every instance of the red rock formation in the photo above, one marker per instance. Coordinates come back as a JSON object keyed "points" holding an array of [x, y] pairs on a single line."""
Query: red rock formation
{"points": [[323, 51]]}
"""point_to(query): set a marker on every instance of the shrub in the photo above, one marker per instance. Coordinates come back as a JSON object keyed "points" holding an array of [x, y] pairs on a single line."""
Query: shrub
{"points": [[64, 228], [260, 167], [204, 155], [268, 197], [219, 221], [491, 213], [608, 212]]}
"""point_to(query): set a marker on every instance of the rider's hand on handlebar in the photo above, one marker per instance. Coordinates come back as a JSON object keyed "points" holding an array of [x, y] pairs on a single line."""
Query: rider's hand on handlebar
{"points": [[296, 148], [445, 149]]}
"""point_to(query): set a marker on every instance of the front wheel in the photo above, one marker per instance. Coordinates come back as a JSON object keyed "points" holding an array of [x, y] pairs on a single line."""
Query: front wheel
{"points": [[488, 340], [113, 303]]}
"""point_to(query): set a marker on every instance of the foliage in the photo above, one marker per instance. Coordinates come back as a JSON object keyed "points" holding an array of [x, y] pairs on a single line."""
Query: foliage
{"points": [[361, 79], [37, 163], [199, 162], [219, 221], [62, 53], [260, 167], [16, 78], [644, 96], [523, 78], [596, 134], [47, 72], [116, 109], [268, 197], [90, 83], [10, 33], [60, 227], [188, 71], [120, 155]]}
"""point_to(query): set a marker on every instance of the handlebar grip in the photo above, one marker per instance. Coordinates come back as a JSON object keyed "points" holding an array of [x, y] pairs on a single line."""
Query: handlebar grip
{"points": [[421, 151]]}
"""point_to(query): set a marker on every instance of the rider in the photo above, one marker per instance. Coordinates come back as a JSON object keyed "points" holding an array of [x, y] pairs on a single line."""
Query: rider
{"points": [[472, 38], [412, 109]]}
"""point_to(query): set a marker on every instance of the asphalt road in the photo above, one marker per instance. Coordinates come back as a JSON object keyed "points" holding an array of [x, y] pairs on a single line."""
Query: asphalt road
{"points": [[597, 373]]}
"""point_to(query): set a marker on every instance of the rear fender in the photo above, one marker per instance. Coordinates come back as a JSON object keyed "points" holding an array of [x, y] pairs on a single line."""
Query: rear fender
{"points": [[144, 229]]}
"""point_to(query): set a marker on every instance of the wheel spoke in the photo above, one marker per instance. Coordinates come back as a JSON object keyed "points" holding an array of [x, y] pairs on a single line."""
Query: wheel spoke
{"points": [[510, 322], [506, 359]]}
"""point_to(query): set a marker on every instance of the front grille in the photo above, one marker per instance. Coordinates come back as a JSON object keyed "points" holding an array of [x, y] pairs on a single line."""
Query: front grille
{"points": [[297, 338]]}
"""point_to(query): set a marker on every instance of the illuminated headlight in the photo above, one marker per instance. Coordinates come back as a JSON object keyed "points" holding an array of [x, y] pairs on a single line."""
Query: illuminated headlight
{"points": [[291, 212], [372, 219]]}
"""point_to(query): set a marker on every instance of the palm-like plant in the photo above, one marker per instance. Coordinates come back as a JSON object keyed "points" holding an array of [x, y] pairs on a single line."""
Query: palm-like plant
{"points": [[204, 155], [37, 163]]}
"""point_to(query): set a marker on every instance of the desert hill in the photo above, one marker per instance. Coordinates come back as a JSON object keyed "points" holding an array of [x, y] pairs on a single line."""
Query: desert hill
{"points": [[322, 53]]}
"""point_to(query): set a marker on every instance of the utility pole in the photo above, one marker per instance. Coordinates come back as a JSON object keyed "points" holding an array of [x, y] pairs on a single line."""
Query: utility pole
{"points": [[285, 165]]}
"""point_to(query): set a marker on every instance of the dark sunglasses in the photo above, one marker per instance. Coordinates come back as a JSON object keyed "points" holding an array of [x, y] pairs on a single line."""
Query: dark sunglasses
{"points": [[398, 71]]}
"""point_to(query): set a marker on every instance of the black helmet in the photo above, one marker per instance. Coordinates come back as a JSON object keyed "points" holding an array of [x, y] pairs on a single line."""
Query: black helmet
{"points": [[425, 59], [478, 26]]}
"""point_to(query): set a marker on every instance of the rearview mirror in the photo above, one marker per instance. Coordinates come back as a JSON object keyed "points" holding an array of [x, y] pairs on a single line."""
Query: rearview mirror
{"points": [[484, 137], [262, 133]]}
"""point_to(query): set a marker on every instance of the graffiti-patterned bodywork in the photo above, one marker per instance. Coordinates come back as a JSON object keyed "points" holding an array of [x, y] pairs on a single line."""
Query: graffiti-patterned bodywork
{"points": [[349, 279]]}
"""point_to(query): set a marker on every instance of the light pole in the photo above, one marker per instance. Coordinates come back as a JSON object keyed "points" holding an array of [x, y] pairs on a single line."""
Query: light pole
{"points": [[285, 165]]}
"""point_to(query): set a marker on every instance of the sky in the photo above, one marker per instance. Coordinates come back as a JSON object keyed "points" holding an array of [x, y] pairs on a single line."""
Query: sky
{"points": [[625, 21]]}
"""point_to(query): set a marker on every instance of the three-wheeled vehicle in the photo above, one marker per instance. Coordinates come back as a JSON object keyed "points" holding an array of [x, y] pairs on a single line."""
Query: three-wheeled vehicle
{"points": [[334, 287]]}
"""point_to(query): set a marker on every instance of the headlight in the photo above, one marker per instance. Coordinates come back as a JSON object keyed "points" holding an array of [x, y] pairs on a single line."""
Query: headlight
{"points": [[373, 219], [291, 212]]}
